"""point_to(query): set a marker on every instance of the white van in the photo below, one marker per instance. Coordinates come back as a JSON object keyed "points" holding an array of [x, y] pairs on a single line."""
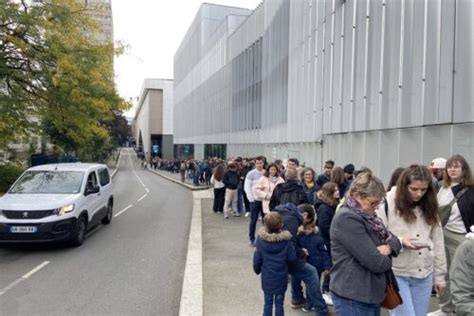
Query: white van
{"points": [[56, 202]]}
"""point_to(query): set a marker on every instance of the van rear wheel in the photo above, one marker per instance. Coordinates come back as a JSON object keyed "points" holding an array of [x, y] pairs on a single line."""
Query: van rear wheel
{"points": [[80, 233]]}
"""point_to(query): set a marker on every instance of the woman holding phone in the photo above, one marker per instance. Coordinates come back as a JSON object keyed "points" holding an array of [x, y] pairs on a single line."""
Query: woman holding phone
{"points": [[411, 213]]}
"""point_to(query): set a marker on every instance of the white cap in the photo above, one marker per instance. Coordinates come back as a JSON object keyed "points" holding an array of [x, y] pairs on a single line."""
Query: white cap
{"points": [[438, 163]]}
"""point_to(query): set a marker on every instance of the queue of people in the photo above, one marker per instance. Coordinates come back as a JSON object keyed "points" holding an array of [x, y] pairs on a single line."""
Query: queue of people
{"points": [[343, 227]]}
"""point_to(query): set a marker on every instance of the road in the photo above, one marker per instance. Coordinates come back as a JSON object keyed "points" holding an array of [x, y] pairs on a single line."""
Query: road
{"points": [[134, 266]]}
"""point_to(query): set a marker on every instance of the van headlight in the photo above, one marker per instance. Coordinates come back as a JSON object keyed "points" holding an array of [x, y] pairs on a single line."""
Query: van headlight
{"points": [[64, 210]]}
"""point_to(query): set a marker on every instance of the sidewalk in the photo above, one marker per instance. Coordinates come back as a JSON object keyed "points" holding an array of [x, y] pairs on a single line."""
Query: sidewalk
{"points": [[228, 285], [176, 177]]}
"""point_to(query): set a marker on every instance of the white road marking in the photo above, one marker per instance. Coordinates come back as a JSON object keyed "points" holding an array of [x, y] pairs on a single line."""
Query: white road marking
{"points": [[136, 175], [143, 196], [122, 211], [23, 278]]}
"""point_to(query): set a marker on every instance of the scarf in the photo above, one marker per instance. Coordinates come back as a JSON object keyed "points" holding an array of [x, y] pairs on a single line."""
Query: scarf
{"points": [[374, 221], [309, 185], [273, 179]]}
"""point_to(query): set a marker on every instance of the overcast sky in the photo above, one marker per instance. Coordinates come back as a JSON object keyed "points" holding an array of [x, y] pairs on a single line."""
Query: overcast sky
{"points": [[153, 29]]}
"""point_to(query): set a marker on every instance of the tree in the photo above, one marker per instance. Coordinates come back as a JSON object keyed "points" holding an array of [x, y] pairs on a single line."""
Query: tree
{"points": [[53, 67]]}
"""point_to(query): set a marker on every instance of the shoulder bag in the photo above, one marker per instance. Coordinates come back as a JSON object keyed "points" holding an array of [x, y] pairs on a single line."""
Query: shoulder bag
{"points": [[444, 211], [392, 296]]}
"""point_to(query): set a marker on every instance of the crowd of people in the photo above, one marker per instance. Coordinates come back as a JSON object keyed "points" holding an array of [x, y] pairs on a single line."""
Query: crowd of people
{"points": [[341, 232]]}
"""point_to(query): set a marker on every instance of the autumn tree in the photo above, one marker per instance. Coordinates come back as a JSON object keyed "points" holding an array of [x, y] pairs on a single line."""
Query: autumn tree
{"points": [[61, 73]]}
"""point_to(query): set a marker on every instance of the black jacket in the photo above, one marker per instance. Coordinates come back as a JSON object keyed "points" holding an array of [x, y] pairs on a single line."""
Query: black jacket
{"points": [[325, 214], [288, 192], [466, 205], [231, 179]]}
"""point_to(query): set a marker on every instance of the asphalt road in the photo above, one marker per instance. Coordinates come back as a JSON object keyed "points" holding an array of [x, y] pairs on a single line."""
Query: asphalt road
{"points": [[134, 266]]}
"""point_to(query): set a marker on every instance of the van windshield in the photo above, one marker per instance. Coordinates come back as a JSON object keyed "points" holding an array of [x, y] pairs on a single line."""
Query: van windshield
{"points": [[52, 182]]}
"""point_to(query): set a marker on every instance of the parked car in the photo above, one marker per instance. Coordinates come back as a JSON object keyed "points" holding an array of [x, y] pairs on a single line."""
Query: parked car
{"points": [[56, 202]]}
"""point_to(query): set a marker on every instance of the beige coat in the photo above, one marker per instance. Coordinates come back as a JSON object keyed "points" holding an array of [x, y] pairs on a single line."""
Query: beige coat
{"points": [[263, 190], [416, 263]]}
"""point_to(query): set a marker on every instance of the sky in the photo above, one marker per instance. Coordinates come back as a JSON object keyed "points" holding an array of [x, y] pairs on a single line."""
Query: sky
{"points": [[152, 31]]}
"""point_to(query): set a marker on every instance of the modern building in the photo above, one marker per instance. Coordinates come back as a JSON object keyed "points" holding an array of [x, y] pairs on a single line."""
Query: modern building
{"points": [[153, 123], [378, 83], [101, 12]]}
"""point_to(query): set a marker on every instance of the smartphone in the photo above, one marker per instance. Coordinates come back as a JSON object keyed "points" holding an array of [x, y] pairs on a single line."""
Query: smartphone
{"points": [[420, 244]]}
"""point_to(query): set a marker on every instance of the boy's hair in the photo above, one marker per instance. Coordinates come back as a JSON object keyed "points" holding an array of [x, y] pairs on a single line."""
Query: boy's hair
{"points": [[273, 222], [309, 210]]}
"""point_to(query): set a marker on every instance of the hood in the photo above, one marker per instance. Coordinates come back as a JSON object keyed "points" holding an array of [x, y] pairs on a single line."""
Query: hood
{"points": [[323, 199], [308, 229], [33, 202], [290, 186], [281, 236], [272, 243], [289, 209]]}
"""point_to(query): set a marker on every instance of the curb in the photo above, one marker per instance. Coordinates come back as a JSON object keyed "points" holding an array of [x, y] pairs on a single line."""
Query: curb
{"points": [[188, 186], [117, 165]]}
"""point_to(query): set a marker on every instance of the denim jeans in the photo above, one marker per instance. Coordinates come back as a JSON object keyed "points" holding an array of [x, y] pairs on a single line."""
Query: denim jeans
{"points": [[416, 295], [309, 276], [255, 211], [268, 306], [346, 307]]}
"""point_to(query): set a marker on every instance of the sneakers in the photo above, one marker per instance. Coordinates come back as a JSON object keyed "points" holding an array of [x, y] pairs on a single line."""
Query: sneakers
{"points": [[247, 214], [235, 214], [298, 304], [251, 244], [328, 299], [438, 313], [308, 309], [226, 216]]}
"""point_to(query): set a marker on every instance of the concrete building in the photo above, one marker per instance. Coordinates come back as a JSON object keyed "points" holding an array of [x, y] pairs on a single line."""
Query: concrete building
{"points": [[153, 123], [377, 83]]}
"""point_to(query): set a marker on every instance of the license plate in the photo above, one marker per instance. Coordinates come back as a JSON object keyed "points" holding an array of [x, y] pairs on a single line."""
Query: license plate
{"points": [[23, 229]]}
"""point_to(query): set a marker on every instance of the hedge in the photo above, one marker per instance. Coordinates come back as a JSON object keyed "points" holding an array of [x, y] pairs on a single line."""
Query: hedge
{"points": [[8, 174]]}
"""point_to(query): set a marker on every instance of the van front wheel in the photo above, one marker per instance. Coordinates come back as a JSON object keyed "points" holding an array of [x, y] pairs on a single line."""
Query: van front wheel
{"points": [[80, 233]]}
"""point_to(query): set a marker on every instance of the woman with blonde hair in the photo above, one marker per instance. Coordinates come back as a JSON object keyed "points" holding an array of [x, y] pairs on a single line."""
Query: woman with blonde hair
{"points": [[411, 213], [361, 250]]}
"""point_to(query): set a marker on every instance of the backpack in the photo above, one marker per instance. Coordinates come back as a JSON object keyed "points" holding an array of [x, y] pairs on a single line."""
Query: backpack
{"points": [[182, 167]]}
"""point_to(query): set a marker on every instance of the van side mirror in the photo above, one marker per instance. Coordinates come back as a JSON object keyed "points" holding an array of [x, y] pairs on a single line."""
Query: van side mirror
{"points": [[94, 189]]}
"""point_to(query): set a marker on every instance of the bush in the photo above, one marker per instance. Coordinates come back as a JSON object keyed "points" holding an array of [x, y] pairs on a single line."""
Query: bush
{"points": [[8, 174]]}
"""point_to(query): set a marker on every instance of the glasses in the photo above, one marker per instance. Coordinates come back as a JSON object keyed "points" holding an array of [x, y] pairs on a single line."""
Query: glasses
{"points": [[375, 203]]}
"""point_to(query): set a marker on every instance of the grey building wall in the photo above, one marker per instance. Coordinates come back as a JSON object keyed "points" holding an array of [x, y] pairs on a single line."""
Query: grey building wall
{"points": [[374, 82]]}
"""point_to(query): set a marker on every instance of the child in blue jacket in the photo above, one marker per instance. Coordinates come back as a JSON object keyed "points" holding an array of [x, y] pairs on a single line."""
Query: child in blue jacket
{"points": [[311, 241], [273, 251]]}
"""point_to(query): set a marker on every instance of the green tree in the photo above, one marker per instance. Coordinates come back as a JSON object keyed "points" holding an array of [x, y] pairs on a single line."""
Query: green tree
{"points": [[54, 68]]}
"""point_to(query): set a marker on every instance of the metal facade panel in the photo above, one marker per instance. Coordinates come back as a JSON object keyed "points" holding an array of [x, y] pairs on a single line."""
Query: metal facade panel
{"points": [[433, 60], [374, 61], [412, 52], [360, 66], [436, 143], [445, 108], [348, 70], [373, 152], [390, 151], [410, 149], [391, 64], [463, 141], [338, 74], [464, 62]]}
